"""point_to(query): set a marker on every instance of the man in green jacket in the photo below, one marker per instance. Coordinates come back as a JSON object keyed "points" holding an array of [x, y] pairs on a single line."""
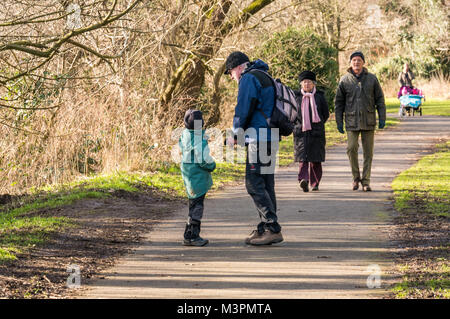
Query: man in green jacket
{"points": [[358, 95]]}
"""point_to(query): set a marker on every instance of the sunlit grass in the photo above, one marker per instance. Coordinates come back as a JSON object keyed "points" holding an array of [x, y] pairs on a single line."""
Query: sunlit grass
{"points": [[20, 234], [429, 107], [21, 229], [427, 184], [425, 188], [425, 278], [436, 286]]}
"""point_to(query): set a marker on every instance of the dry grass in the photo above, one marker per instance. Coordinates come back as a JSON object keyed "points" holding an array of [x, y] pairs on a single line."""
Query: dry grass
{"points": [[111, 123], [101, 133]]}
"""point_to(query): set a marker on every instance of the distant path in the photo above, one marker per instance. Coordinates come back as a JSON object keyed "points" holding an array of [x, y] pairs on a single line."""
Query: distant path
{"points": [[331, 236]]}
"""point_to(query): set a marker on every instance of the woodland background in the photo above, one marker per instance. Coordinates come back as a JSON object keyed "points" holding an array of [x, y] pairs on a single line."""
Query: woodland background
{"points": [[90, 87]]}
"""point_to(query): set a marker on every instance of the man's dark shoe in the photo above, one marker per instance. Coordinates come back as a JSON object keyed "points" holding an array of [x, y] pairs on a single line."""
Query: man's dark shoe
{"points": [[366, 188], [198, 242], [355, 185], [315, 188], [267, 238], [304, 185]]}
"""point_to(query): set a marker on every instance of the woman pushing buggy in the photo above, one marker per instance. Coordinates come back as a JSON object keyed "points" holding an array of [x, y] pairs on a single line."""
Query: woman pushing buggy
{"points": [[409, 96]]}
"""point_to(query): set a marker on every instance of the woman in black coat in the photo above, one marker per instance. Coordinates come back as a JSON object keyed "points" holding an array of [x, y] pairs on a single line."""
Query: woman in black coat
{"points": [[309, 132]]}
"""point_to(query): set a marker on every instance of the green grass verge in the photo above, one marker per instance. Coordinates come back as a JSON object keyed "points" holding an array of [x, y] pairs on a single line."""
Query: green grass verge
{"points": [[426, 184], [20, 234], [435, 287], [425, 188], [431, 281], [429, 107], [21, 230]]}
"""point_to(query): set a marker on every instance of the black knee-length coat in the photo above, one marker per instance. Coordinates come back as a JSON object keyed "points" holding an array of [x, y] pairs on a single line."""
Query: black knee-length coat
{"points": [[309, 146]]}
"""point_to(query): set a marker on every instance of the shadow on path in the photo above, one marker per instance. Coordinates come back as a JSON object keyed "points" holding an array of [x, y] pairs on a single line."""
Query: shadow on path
{"points": [[331, 236]]}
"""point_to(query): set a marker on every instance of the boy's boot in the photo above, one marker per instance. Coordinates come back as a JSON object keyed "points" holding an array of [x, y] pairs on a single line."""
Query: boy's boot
{"points": [[192, 234], [187, 232]]}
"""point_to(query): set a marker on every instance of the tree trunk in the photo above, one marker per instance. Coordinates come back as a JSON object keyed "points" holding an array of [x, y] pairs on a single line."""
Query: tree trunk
{"points": [[214, 114]]}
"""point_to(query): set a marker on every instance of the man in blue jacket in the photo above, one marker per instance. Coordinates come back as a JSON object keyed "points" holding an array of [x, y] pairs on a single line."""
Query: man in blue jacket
{"points": [[256, 95]]}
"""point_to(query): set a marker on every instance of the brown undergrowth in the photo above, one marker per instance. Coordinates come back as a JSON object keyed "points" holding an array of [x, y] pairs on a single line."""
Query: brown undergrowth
{"points": [[103, 230]]}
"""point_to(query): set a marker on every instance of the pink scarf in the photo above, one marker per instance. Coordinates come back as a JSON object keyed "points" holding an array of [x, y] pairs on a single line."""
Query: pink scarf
{"points": [[306, 122]]}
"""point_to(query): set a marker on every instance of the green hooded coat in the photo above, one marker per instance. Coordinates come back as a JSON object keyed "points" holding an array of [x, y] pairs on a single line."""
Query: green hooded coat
{"points": [[196, 163]]}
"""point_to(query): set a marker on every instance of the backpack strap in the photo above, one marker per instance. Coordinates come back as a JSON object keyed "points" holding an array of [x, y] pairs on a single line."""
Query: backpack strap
{"points": [[263, 77], [265, 80]]}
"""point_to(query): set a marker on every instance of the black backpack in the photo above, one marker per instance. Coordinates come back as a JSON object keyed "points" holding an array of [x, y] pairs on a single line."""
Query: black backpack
{"points": [[285, 110]]}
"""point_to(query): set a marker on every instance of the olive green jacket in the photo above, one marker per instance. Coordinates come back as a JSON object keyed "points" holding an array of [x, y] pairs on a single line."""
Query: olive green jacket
{"points": [[358, 99]]}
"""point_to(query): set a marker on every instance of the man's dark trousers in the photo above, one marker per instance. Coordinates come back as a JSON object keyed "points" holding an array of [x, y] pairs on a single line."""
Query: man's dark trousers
{"points": [[260, 184]]}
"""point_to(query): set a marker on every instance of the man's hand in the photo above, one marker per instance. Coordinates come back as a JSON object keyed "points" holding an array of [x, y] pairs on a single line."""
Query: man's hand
{"points": [[340, 128], [381, 124]]}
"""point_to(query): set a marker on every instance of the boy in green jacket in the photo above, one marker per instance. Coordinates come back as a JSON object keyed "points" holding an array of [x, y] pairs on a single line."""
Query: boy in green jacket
{"points": [[196, 167]]}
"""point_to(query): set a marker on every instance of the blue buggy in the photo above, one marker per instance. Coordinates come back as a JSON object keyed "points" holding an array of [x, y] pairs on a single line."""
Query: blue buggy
{"points": [[410, 102]]}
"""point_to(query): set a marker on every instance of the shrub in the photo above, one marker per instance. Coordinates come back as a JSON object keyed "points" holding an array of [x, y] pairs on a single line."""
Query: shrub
{"points": [[389, 68], [418, 33], [292, 51]]}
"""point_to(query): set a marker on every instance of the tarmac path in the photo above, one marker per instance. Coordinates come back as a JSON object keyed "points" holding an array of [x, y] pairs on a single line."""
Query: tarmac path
{"points": [[334, 239]]}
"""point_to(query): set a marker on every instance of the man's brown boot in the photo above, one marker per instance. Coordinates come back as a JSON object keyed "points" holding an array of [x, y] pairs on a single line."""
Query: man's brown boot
{"points": [[356, 184], [267, 238], [254, 234]]}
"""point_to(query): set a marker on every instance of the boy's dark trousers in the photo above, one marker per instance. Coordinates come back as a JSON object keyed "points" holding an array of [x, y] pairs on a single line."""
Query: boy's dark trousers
{"points": [[196, 208], [192, 229], [260, 186]]}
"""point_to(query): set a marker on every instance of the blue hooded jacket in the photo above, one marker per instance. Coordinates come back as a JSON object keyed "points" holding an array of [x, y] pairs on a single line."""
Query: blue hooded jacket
{"points": [[254, 93]]}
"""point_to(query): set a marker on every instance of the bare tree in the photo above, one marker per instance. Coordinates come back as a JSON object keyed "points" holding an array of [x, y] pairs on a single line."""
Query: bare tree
{"points": [[341, 23], [98, 71], [194, 41], [45, 43], [418, 30]]}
